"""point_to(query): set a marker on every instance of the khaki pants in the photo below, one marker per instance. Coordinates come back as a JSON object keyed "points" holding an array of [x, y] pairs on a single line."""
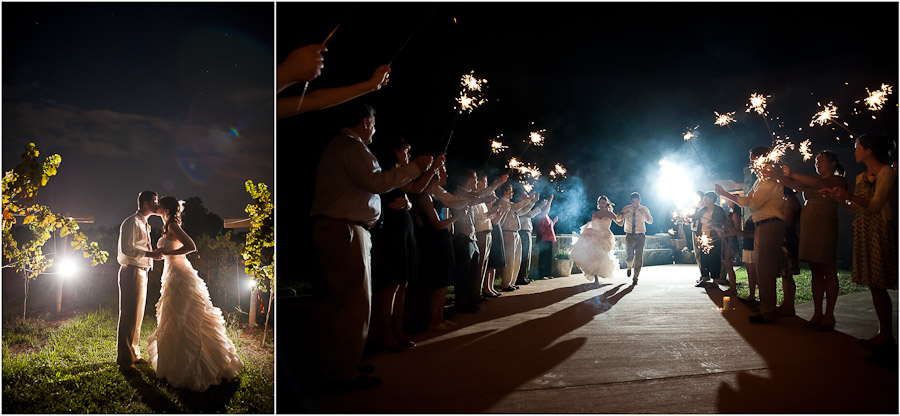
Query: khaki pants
{"points": [[768, 240], [634, 252], [512, 245], [132, 301], [484, 239], [344, 250]]}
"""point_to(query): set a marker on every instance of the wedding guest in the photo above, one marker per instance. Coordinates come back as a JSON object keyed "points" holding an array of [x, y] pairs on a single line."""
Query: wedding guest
{"points": [[634, 219], [346, 205], [483, 233], [526, 229], [546, 238], [874, 204], [394, 255], [710, 220], [790, 265], [819, 232], [766, 202], [731, 245], [433, 228], [497, 258], [695, 235], [748, 257], [305, 64], [511, 239], [467, 269]]}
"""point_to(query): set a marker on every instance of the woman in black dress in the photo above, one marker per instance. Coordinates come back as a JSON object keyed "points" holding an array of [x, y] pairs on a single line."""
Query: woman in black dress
{"points": [[394, 256]]}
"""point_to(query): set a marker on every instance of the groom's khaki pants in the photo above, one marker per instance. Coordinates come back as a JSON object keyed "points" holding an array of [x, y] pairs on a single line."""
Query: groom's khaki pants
{"points": [[132, 299], [634, 252]]}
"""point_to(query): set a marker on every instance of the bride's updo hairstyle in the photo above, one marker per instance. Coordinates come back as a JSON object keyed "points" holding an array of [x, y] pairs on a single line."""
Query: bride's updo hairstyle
{"points": [[604, 198], [171, 204]]}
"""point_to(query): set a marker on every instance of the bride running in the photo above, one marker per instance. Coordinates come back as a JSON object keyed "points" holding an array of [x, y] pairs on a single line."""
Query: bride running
{"points": [[189, 347], [594, 250]]}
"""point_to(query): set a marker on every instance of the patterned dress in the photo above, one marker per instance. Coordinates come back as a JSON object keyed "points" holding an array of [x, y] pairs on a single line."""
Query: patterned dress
{"points": [[875, 231]]}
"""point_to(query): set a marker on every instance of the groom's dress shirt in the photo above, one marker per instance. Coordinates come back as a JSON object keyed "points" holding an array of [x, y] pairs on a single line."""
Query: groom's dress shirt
{"points": [[634, 219], [134, 240], [349, 180], [765, 200]]}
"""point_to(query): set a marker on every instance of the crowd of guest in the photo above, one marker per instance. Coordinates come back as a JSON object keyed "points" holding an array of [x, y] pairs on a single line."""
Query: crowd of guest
{"points": [[394, 234]]}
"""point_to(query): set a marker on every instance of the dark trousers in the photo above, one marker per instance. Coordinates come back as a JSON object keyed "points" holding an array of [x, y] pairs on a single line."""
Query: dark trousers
{"points": [[467, 270], [545, 258], [525, 268], [711, 263]]}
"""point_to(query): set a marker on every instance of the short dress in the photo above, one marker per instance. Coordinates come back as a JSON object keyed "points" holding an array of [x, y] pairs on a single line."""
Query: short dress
{"points": [[394, 254], [818, 229], [731, 246], [875, 233], [435, 249]]}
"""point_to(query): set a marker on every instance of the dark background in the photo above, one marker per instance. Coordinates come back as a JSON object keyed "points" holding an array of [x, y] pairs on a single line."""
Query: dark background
{"points": [[615, 86]]}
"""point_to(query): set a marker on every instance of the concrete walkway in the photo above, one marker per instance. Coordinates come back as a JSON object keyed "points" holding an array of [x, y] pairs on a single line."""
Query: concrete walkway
{"points": [[567, 345]]}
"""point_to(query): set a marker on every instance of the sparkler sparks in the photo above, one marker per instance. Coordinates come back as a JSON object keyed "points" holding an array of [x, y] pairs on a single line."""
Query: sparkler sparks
{"points": [[877, 98], [804, 150], [470, 94], [535, 138], [705, 244], [824, 116], [558, 172], [689, 134], [757, 103], [497, 146], [724, 119]]}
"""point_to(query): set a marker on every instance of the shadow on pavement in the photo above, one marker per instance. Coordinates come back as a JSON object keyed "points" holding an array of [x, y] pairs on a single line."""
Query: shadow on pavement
{"points": [[807, 371], [498, 361]]}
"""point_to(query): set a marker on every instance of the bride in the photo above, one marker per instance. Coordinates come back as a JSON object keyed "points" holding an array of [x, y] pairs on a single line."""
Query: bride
{"points": [[594, 250], [189, 347]]}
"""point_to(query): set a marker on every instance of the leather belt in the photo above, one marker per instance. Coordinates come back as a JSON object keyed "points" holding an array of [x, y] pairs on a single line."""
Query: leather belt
{"points": [[766, 220]]}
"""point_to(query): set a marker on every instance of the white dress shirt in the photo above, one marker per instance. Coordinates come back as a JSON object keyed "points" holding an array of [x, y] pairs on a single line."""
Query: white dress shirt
{"points": [[134, 241], [641, 216], [349, 180], [765, 200]]}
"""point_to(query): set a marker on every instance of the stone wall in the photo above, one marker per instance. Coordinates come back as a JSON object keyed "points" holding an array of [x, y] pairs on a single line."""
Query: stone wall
{"points": [[658, 249]]}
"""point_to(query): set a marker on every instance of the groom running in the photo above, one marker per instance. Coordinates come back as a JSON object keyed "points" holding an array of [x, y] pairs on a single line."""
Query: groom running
{"points": [[634, 217], [136, 259]]}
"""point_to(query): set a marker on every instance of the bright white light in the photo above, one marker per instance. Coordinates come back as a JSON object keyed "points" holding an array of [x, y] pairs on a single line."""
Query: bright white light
{"points": [[676, 185], [251, 284], [67, 268]]}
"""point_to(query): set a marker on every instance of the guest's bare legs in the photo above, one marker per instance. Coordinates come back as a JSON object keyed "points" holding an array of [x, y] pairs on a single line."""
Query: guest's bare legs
{"points": [[789, 287], [438, 298], [825, 286], [732, 277], [882, 302], [397, 315], [489, 282], [381, 317], [751, 279]]}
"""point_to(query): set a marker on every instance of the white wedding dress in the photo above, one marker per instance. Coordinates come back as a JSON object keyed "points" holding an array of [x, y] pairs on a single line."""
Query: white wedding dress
{"points": [[594, 252], [189, 348]]}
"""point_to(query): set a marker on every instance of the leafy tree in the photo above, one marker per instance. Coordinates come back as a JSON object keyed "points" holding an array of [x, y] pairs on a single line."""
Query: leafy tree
{"points": [[218, 255], [25, 253], [198, 220], [259, 247]]}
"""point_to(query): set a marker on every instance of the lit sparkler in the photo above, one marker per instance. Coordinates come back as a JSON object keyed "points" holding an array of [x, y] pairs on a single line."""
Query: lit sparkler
{"points": [[470, 94], [497, 146], [804, 150], [536, 138], [724, 119], [877, 98], [705, 244], [558, 172], [757, 103], [827, 115]]}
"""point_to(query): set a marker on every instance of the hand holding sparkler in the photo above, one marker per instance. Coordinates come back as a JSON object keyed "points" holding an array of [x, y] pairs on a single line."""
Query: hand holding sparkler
{"points": [[303, 64]]}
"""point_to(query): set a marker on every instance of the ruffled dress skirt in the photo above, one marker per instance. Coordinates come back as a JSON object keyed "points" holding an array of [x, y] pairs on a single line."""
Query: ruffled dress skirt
{"points": [[190, 348], [594, 253]]}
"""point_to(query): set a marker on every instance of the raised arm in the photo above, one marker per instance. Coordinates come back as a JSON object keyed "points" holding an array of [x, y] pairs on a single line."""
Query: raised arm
{"points": [[329, 97]]}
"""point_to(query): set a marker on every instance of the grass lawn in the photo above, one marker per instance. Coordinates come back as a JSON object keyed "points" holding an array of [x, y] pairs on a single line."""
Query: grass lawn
{"points": [[802, 281], [67, 365]]}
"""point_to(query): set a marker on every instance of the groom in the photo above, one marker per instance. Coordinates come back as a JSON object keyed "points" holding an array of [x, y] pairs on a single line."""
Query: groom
{"points": [[135, 255], [632, 219]]}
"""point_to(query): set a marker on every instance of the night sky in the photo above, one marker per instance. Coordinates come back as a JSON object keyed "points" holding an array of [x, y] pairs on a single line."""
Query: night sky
{"points": [[171, 97], [615, 85]]}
